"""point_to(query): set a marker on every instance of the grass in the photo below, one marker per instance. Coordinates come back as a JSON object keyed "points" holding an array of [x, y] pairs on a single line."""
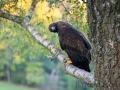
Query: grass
{"points": [[8, 86]]}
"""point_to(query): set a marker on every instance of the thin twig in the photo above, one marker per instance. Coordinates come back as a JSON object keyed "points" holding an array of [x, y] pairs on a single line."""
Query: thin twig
{"points": [[64, 6]]}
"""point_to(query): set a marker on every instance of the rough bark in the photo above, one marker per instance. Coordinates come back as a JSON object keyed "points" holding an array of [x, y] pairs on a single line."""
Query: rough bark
{"points": [[82, 75], [104, 33]]}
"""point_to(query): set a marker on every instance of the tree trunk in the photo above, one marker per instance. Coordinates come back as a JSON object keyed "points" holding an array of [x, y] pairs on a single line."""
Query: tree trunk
{"points": [[8, 73], [104, 34]]}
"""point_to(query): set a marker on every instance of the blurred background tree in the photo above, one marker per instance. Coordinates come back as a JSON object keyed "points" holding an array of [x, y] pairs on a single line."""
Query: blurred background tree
{"points": [[22, 60]]}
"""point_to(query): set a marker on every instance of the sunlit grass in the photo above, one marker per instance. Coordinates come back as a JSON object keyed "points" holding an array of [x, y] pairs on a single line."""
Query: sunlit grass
{"points": [[9, 86]]}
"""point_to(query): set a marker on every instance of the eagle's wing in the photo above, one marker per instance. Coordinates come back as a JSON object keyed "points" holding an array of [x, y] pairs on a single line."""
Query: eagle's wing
{"points": [[74, 44]]}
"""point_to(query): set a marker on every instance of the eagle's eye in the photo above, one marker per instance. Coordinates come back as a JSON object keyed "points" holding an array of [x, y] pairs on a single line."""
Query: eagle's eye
{"points": [[53, 28]]}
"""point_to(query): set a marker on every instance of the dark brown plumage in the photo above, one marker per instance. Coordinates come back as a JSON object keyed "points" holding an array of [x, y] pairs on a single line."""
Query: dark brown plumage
{"points": [[73, 43]]}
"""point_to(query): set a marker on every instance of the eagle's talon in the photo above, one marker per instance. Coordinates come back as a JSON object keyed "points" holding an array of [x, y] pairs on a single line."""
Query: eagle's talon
{"points": [[67, 61]]}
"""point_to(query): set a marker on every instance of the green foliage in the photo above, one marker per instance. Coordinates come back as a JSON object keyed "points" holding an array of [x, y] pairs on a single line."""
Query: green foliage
{"points": [[35, 74]]}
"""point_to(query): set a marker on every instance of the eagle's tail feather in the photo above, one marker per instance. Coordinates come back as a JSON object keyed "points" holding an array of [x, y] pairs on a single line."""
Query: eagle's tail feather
{"points": [[78, 60], [82, 63], [84, 66]]}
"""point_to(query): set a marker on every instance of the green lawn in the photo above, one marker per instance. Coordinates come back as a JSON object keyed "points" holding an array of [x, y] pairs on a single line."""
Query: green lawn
{"points": [[7, 86]]}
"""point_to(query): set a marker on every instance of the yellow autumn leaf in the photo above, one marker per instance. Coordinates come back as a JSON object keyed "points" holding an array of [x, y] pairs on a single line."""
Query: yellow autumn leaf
{"points": [[45, 36], [44, 31], [25, 4], [17, 56]]}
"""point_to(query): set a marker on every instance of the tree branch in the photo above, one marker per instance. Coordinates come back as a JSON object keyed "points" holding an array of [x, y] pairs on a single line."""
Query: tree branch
{"points": [[13, 18], [82, 75], [32, 8]]}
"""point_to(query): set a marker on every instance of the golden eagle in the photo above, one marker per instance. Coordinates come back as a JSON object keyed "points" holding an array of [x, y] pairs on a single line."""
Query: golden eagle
{"points": [[73, 43]]}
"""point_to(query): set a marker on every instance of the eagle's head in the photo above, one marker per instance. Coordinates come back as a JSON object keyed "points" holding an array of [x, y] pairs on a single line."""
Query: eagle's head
{"points": [[53, 28]]}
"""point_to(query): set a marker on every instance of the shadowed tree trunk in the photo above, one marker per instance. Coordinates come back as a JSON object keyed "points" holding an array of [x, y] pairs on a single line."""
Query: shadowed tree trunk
{"points": [[104, 33], [8, 73]]}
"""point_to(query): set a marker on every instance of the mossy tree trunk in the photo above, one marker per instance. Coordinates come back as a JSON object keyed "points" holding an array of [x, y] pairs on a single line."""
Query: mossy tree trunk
{"points": [[104, 33]]}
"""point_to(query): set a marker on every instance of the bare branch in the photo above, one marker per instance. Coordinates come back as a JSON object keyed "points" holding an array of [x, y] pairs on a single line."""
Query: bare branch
{"points": [[51, 57], [32, 8], [13, 18], [81, 74]]}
